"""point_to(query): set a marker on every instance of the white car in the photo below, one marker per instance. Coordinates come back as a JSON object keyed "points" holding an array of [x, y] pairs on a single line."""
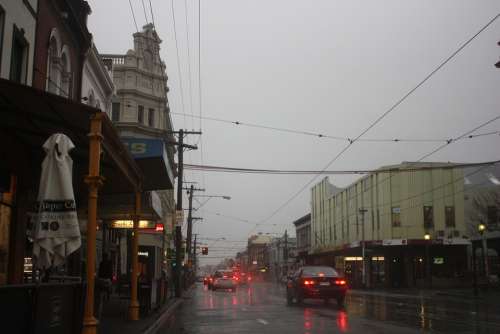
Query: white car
{"points": [[223, 279]]}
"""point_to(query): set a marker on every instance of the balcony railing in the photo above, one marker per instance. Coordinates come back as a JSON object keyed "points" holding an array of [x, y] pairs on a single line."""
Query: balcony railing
{"points": [[115, 59]]}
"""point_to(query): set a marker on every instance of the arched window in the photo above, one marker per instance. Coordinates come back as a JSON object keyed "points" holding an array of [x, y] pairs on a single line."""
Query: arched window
{"points": [[53, 68], [66, 78]]}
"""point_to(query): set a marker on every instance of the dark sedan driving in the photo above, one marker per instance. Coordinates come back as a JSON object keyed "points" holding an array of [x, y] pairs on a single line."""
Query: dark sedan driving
{"points": [[316, 282]]}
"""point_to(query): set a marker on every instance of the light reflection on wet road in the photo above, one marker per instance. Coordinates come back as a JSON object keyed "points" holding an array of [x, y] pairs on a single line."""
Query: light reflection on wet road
{"points": [[261, 308]]}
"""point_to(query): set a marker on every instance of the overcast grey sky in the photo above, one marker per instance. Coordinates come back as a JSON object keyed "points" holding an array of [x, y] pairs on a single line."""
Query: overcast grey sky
{"points": [[324, 66]]}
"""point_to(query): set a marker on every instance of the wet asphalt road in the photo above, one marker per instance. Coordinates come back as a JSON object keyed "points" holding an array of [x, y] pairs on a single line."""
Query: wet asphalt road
{"points": [[261, 308]]}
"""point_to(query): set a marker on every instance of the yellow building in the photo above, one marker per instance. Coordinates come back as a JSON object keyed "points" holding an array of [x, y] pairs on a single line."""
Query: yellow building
{"points": [[390, 212]]}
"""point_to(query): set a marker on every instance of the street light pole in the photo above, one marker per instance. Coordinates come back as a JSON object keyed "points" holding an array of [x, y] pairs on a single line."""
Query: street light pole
{"points": [[484, 251], [428, 274], [474, 269], [362, 211]]}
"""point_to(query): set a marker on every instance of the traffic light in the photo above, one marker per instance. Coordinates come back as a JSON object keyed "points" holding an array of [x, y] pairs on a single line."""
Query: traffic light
{"points": [[204, 250]]}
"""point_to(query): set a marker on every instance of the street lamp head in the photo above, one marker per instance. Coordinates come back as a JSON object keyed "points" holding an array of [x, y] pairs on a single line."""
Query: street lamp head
{"points": [[481, 228], [427, 236]]}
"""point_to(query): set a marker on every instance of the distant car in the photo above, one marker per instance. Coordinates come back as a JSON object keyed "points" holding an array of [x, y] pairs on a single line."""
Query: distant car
{"points": [[244, 278], [224, 279], [316, 282], [206, 279], [210, 281]]}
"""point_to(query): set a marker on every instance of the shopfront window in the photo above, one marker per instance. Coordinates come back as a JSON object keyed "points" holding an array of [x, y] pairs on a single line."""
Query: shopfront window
{"points": [[396, 216], [428, 217], [449, 214], [492, 215]]}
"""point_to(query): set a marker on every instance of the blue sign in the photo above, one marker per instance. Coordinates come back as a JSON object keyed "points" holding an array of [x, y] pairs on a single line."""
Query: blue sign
{"points": [[141, 148]]}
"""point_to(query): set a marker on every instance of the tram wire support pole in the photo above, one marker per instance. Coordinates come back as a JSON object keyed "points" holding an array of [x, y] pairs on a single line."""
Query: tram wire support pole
{"points": [[191, 190], [178, 227]]}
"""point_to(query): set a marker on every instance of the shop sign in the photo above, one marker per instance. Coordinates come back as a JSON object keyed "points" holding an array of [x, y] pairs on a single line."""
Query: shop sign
{"points": [[141, 148], [145, 254], [394, 242], [129, 224]]}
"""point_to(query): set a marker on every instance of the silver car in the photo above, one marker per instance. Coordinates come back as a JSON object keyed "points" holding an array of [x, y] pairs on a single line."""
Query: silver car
{"points": [[223, 279]]}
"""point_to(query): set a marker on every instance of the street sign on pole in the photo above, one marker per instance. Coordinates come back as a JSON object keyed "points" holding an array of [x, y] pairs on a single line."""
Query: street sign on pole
{"points": [[179, 217]]}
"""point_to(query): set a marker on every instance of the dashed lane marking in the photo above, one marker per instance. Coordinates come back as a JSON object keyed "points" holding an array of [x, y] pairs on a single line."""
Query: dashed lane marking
{"points": [[262, 321]]}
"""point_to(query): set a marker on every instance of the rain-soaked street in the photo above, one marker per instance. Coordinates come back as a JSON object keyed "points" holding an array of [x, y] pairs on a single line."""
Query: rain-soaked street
{"points": [[261, 308]]}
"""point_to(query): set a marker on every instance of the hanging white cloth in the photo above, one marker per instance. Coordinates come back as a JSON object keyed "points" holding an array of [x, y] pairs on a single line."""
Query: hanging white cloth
{"points": [[56, 230]]}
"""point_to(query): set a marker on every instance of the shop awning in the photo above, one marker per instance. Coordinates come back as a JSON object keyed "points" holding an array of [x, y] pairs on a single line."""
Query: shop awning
{"points": [[151, 156], [121, 207], [29, 116]]}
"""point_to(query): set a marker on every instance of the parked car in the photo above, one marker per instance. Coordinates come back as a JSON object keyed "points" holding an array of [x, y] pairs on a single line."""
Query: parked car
{"points": [[224, 279], [316, 282]]}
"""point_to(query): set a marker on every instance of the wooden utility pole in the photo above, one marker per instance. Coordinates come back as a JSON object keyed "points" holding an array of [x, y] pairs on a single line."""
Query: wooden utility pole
{"points": [[178, 227], [190, 219]]}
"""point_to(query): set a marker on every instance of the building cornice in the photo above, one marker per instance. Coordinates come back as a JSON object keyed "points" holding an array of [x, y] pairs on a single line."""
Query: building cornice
{"points": [[122, 68], [137, 92]]}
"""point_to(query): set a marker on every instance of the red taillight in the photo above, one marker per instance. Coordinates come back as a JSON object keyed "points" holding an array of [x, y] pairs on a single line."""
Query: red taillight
{"points": [[306, 282], [224, 276], [249, 278], [211, 279], [236, 278], [340, 282]]}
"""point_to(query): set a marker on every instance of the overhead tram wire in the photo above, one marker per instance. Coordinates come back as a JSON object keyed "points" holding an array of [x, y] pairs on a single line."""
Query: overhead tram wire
{"points": [[133, 15], [199, 64], [464, 135], [189, 65], [327, 172], [326, 136], [152, 15], [380, 118], [200, 94], [144, 9], [178, 61]]}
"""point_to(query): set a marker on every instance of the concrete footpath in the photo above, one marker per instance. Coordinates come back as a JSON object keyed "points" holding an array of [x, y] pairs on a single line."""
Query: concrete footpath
{"points": [[485, 296], [114, 320]]}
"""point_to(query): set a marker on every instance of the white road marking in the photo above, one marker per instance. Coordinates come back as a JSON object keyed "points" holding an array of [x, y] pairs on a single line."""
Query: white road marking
{"points": [[262, 321], [243, 308]]}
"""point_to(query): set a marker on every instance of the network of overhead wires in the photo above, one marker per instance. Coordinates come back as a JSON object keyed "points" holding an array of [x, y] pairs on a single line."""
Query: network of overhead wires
{"points": [[337, 138], [410, 168], [383, 116], [349, 141]]}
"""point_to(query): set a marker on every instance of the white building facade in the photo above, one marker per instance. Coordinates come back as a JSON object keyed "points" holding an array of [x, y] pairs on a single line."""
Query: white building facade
{"points": [[97, 85], [17, 40], [140, 111]]}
